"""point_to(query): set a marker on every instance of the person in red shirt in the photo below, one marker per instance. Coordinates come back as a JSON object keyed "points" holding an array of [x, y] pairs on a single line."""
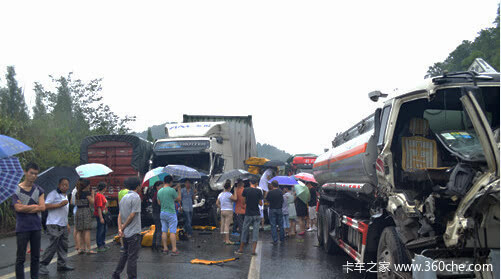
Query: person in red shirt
{"points": [[100, 208]]}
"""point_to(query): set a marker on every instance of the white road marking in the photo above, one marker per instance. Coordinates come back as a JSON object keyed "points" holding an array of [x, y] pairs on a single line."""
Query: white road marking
{"points": [[54, 260], [255, 265]]}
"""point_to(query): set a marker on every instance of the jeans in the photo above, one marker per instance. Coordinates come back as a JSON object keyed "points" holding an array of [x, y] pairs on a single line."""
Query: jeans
{"points": [[100, 233], [188, 216], [58, 237], [255, 221], [157, 235], [34, 238], [276, 219], [129, 257]]}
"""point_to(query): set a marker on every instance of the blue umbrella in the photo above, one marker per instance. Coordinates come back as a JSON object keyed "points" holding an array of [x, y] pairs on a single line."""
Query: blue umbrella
{"points": [[49, 179], [284, 180], [11, 173], [92, 169], [10, 146], [182, 171]]}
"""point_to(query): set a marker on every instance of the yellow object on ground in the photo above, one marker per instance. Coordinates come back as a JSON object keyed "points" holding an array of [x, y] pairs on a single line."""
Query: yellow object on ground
{"points": [[198, 261], [148, 237], [255, 164], [204, 228]]}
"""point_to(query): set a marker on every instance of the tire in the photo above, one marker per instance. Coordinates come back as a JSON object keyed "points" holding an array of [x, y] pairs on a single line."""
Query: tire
{"points": [[320, 229], [391, 250], [330, 246]]}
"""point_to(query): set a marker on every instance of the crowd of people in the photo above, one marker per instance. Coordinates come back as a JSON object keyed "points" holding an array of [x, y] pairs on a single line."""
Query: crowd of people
{"points": [[242, 204]]}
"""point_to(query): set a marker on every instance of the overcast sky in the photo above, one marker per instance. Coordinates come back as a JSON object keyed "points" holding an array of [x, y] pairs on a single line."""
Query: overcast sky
{"points": [[302, 69]]}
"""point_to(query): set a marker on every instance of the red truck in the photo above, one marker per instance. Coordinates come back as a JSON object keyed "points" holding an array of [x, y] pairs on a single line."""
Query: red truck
{"points": [[126, 155], [300, 163]]}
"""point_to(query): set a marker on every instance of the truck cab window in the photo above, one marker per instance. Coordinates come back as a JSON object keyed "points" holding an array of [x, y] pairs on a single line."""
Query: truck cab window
{"points": [[384, 122]]}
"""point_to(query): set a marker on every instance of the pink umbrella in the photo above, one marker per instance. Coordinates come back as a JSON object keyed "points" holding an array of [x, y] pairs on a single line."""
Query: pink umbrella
{"points": [[306, 177]]}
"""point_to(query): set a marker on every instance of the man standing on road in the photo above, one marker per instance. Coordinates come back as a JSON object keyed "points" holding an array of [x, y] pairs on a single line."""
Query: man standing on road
{"points": [[29, 202], [166, 197], [129, 228], [276, 200], [312, 207], [58, 228], [253, 197], [187, 196], [100, 209]]}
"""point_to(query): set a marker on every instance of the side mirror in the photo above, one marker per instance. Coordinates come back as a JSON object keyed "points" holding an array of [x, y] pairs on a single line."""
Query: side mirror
{"points": [[375, 95]]}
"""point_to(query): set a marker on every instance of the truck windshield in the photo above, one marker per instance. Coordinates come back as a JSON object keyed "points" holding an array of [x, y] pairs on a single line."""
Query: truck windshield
{"points": [[200, 162], [450, 122]]}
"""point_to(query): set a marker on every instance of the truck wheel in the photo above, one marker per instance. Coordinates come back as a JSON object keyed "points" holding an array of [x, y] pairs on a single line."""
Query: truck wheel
{"points": [[320, 225], [327, 224], [391, 251]]}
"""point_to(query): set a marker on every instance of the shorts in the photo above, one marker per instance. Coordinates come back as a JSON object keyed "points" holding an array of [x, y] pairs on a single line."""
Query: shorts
{"points": [[312, 212], [169, 222]]}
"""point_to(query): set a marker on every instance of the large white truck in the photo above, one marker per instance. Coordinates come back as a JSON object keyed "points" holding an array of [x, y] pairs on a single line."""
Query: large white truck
{"points": [[210, 144], [418, 182]]}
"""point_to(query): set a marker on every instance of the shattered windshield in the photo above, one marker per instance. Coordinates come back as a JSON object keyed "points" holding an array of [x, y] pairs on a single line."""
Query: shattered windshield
{"points": [[450, 122]]}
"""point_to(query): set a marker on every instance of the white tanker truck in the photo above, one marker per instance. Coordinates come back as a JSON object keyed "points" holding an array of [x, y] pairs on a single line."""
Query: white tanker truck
{"points": [[418, 182]]}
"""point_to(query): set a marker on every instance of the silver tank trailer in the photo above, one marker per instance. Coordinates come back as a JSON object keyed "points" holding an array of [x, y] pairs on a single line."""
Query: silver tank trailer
{"points": [[352, 158]]}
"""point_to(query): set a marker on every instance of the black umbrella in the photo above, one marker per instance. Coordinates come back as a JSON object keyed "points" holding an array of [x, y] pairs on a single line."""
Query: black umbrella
{"points": [[49, 179], [235, 174], [274, 164]]}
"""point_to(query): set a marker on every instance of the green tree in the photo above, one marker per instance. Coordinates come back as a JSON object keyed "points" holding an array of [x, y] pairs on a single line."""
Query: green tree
{"points": [[150, 135], [12, 100], [486, 46]]}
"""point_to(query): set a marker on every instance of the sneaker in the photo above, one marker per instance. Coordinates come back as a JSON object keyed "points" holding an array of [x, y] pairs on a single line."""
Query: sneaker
{"points": [[122, 249], [43, 270], [238, 252], [309, 230], [101, 249]]}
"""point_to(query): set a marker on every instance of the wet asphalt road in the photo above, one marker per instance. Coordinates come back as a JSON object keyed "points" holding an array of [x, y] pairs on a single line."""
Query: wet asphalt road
{"points": [[297, 257]]}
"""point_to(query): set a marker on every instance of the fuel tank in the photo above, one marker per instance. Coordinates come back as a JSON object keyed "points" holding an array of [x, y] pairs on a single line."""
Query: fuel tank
{"points": [[352, 158]]}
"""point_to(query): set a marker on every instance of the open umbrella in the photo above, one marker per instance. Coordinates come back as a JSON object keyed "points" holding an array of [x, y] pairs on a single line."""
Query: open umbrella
{"points": [[308, 177], [302, 192], [182, 171], [92, 169], [153, 176], [10, 146], [274, 164], [11, 173], [49, 179], [236, 174], [283, 180]]}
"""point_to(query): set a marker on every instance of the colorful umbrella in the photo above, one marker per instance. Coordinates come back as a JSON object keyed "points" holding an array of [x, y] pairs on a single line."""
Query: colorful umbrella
{"points": [[283, 180], [11, 173], [182, 171], [308, 177], [302, 192], [10, 146], [92, 169], [153, 176], [49, 179]]}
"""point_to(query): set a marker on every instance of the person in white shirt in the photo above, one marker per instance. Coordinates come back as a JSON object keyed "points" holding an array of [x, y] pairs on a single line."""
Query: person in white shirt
{"points": [[57, 228], [225, 201]]}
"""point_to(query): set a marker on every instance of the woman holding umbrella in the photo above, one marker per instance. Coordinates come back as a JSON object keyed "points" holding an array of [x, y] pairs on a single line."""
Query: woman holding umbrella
{"points": [[84, 202]]}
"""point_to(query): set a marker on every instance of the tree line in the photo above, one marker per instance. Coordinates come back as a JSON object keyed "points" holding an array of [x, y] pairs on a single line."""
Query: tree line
{"points": [[66, 110], [485, 45]]}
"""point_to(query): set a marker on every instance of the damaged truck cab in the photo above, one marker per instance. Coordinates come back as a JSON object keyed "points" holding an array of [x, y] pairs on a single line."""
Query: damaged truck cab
{"points": [[418, 181]]}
